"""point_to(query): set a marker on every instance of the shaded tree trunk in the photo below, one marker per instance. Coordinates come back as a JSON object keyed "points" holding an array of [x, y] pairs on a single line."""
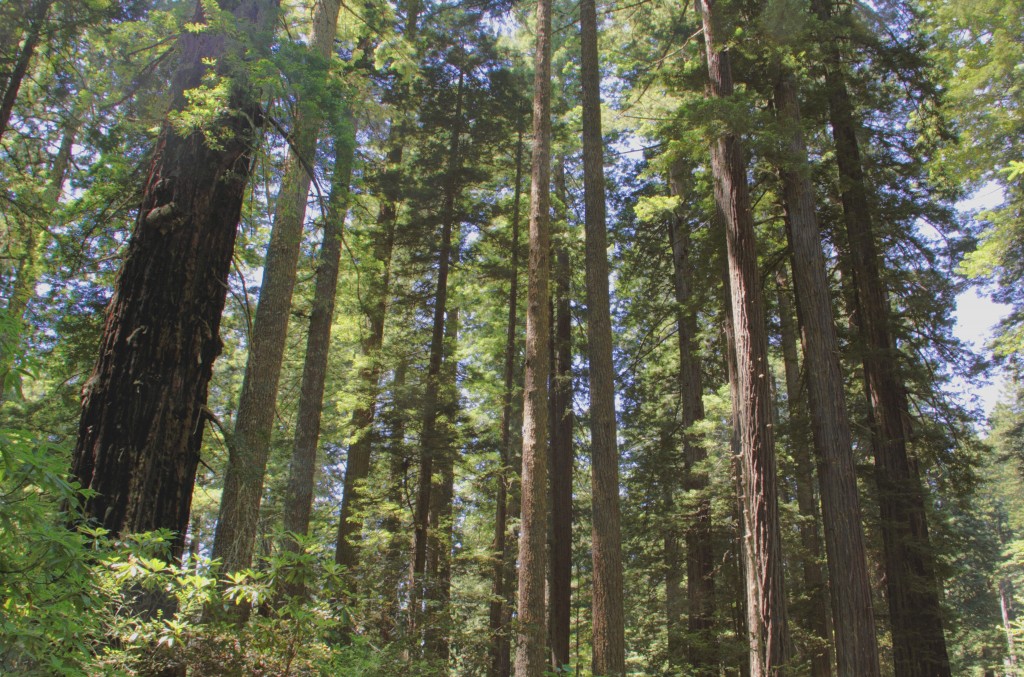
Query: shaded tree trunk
{"points": [[302, 471], [249, 448], [606, 548], [701, 649], [530, 659], [815, 614], [919, 645], [500, 664], [36, 18], [560, 586], [143, 408], [856, 644], [766, 601], [429, 440], [439, 551]]}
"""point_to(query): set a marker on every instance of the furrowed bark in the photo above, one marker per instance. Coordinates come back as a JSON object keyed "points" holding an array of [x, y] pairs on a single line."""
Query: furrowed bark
{"points": [[766, 601], [143, 408], [530, 658]]}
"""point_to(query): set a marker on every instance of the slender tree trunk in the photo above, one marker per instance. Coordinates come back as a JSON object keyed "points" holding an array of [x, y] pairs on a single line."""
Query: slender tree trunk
{"points": [[560, 587], [235, 536], [769, 637], [856, 644], [439, 550], [530, 660], [161, 333], [299, 499], [27, 273], [815, 615], [702, 650], [36, 18], [919, 645], [608, 615], [500, 644], [429, 437]]}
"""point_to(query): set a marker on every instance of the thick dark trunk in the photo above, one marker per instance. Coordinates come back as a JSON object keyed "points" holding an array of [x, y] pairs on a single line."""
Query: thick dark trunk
{"points": [[767, 605], [856, 644], [235, 536], [606, 544], [560, 585], [919, 645], [143, 408], [302, 471], [702, 647], [530, 659], [500, 640]]}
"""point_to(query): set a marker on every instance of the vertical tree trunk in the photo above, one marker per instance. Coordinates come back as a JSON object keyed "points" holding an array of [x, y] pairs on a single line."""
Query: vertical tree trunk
{"points": [[302, 471], [530, 660], [143, 408], [429, 441], [439, 551], [374, 307], [815, 615], [769, 637], [748, 623], [235, 536], [856, 645], [919, 645], [500, 641], [560, 587], [36, 18], [700, 566], [608, 616]]}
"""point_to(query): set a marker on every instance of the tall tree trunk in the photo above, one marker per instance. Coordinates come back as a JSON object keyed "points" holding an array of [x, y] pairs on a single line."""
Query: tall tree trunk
{"points": [[439, 550], [606, 548], [856, 645], [769, 637], [143, 408], [374, 307], [235, 536], [919, 645], [815, 614], [754, 663], [500, 641], [530, 660], [560, 586], [36, 18], [302, 471], [429, 442], [702, 650]]}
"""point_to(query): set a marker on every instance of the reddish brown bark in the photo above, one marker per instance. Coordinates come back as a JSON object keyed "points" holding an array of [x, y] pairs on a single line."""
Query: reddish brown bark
{"points": [[856, 645], [913, 592], [560, 585], [609, 644], [766, 599], [143, 408]]}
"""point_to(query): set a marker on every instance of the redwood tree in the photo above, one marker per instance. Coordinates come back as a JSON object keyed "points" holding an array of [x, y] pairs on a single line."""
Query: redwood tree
{"points": [[143, 408]]}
